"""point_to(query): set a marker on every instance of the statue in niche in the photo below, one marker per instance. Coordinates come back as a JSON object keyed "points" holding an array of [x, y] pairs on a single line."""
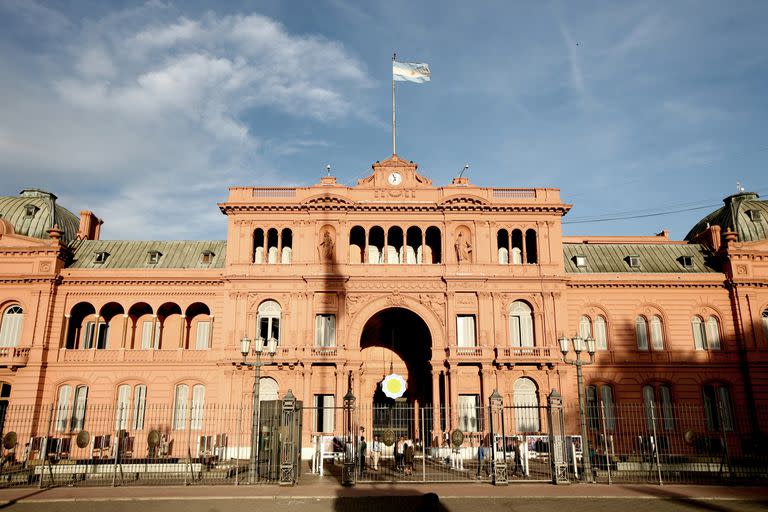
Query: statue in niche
{"points": [[327, 247], [463, 248]]}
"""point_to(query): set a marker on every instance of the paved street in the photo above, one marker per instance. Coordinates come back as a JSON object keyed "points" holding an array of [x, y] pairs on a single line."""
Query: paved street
{"points": [[453, 498]]}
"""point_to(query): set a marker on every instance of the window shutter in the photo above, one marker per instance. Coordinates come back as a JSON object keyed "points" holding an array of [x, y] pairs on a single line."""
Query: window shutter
{"points": [[78, 414], [139, 405], [201, 338], [62, 408], [657, 334], [698, 333], [121, 409], [601, 340], [180, 407], [10, 328], [641, 331], [198, 406], [585, 327], [713, 333]]}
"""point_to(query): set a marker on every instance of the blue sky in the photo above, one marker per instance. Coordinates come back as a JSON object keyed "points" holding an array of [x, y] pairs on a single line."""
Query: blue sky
{"points": [[146, 112]]}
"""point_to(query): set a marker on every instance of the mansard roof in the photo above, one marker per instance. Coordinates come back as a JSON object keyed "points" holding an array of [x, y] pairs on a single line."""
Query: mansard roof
{"points": [[737, 215], [133, 254], [653, 258], [33, 212]]}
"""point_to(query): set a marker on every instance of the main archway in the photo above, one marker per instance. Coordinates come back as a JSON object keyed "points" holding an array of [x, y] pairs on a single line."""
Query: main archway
{"points": [[397, 340]]}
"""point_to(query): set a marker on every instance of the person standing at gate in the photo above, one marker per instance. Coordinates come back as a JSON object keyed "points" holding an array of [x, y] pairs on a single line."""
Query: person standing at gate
{"points": [[480, 457], [362, 448], [408, 458], [375, 452], [400, 453]]}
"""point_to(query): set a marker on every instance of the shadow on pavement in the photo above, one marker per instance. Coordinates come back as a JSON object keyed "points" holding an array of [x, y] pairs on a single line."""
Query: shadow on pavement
{"points": [[687, 501], [401, 500], [21, 498]]}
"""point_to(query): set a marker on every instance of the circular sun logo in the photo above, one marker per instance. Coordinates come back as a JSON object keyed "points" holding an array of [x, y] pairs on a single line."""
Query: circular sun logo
{"points": [[393, 386]]}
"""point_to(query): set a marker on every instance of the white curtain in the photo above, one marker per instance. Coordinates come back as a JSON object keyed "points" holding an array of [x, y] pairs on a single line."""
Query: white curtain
{"points": [[657, 334], [526, 405], [122, 407], [465, 330], [139, 405], [601, 338], [713, 333], [10, 326], [641, 332], [468, 412], [63, 407], [585, 327], [203, 332], [699, 336], [180, 406], [78, 414], [198, 406]]}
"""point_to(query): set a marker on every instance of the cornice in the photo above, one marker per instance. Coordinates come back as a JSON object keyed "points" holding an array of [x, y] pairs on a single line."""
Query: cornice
{"points": [[386, 208], [29, 279], [636, 284], [141, 282]]}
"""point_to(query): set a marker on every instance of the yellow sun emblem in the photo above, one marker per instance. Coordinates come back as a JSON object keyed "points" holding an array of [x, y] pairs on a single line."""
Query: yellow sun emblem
{"points": [[393, 386]]}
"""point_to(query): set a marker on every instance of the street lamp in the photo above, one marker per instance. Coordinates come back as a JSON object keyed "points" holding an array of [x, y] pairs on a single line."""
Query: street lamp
{"points": [[245, 348], [579, 345]]}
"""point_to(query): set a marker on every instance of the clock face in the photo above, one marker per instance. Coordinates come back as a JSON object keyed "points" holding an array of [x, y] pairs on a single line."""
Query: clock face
{"points": [[395, 178]]}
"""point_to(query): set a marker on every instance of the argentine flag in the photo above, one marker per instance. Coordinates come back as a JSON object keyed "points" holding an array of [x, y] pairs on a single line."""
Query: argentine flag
{"points": [[410, 72]]}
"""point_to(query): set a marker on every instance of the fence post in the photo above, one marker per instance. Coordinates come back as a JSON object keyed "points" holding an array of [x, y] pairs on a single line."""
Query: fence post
{"points": [[556, 438], [348, 471], [288, 455], [655, 441], [605, 442], [45, 448], [496, 405], [724, 456]]}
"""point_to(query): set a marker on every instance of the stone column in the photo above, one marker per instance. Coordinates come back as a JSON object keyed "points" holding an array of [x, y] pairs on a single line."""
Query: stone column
{"points": [[126, 318], [436, 430], [182, 330], [67, 317]]}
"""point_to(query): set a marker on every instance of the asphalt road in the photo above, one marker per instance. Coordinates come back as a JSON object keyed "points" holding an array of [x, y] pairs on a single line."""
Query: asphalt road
{"points": [[415, 502]]}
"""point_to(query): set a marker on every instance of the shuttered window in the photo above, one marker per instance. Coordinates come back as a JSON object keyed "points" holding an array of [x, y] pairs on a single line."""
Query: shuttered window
{"points": [[10, 326]]}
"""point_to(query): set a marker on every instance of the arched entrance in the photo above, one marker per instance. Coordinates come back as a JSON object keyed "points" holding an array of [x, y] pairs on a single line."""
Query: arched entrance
{"points": [[397, 340]]}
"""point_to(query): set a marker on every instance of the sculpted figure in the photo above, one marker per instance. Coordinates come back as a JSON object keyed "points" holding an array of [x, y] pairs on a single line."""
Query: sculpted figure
{"points": [[463, 248], [326, 247]]}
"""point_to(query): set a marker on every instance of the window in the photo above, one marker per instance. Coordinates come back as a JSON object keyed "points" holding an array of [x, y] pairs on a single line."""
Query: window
{"points": [[268, 325], [580, 261], [465, 330], [520, 325], [146, 335], [10, 326], [717, 408], [153, 257], [30, 210], [88, 335], [468, 413], [657, 333], [755, 215], [126, 415], [600, 405], [202, 335], [634, 261], [325, 330], [585, 327], [686, 261], [601, 338], [180, 406], [100, 257], [324, 413], [71, 412], [206, 257], [641, 333], [657, 401], [198, 406], [706, 336], [526, 400]]}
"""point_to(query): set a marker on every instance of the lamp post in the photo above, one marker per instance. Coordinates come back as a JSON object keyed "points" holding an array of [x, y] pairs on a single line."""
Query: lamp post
{"points": [[245, 346], [579, 345]]}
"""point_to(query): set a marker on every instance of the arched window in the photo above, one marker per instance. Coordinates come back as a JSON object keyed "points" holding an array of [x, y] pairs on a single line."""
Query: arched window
{"points": [[657, 333], [122, 407], [717, 400], [601, 337], [706, 336], [585, 327], [268, 322], [526, 403], [502, 245], [530, 246], [258, 245], [71, 410], [10, 326], [126, 415], [181, 403], [268, 389], [641, 333], [520, 325], [517, 247], [601, 404], [286, 243]]}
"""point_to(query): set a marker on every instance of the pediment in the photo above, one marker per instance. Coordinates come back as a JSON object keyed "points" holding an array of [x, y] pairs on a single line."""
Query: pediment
{"points": [[464, 200], [327, 199], [406, 169], [12, 240]]}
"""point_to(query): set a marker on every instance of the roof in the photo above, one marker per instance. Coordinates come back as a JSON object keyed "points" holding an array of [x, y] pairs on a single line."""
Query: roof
{"points": [[135, 253], [46, 213], [735, 215], [654, 258]]}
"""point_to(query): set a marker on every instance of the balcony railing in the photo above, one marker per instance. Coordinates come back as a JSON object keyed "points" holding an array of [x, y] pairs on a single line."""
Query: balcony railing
{"points": [[536, 354], [14, 356], [132, 356]]}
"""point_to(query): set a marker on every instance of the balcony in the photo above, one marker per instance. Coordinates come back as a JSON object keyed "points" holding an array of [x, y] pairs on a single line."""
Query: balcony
{"points": [[14, 357], [536, 355], [467, 354], [133, 356]]}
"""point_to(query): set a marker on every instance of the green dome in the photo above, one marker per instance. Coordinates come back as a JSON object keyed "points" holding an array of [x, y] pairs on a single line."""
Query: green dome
{"points": [[744, 213], [33, 212]]}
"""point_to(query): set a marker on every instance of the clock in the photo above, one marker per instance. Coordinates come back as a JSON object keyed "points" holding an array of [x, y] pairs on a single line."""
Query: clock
{"points": [[395, 178]]}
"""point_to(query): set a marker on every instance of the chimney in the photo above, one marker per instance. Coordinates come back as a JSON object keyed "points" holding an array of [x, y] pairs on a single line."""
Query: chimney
{"points": [[90, 226]]}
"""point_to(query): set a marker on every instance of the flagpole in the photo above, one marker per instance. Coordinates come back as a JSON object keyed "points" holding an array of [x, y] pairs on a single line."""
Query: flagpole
{"points": [[394, 143]]}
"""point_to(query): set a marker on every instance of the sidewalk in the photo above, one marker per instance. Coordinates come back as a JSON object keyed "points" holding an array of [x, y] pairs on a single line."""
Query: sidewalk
{"points": [[330, 490]]}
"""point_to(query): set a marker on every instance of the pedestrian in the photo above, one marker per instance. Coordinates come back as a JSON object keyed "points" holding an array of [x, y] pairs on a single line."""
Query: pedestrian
{"points": [[362, 448], [408, 456], [375, 452], [518, 469], [480, 457], [400, 452]]}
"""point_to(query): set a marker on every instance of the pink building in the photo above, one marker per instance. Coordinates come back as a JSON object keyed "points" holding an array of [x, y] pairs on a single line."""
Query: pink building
{"points": [[459, 289]]}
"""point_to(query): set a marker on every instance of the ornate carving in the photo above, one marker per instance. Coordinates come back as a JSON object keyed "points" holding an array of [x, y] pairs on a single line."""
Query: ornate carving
{"points": [[354, 303], [463, 246], [435, 302], [395, 299]]}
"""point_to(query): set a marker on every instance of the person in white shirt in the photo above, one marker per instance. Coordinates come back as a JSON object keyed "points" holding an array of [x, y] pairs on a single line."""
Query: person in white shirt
{"points": [[375, 452]]}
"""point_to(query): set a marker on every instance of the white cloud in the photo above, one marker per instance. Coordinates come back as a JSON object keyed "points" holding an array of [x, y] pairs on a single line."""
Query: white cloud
{"points": [[142, 120]]}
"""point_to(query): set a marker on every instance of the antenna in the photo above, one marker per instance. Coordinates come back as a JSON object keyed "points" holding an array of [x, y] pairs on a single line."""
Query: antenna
{"points": [[739, 187], [466, 166], [328, 170]]}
